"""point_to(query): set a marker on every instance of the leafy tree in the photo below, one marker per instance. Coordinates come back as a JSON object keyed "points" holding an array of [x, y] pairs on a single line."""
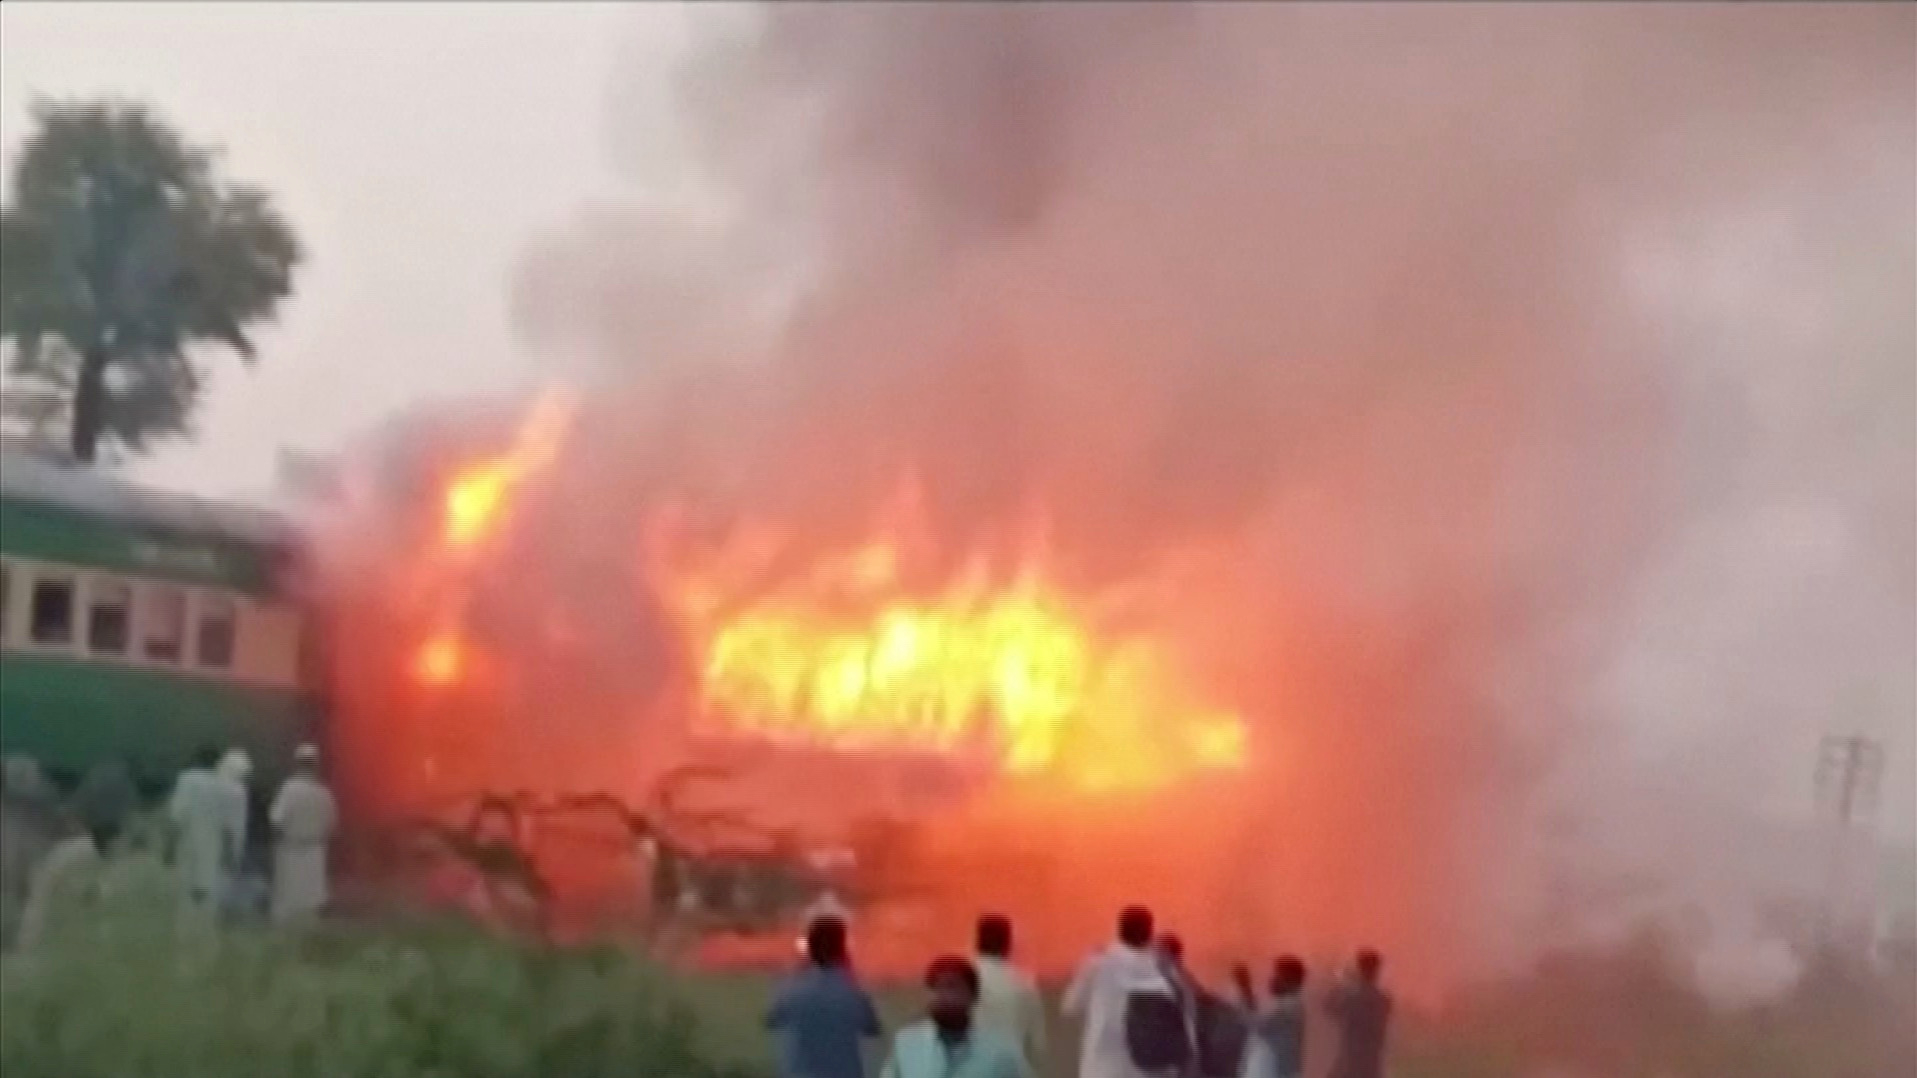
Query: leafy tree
{"points": [[123, 256]]}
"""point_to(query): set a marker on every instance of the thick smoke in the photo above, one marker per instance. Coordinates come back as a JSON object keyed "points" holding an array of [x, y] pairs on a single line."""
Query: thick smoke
{"points": [[1540, 379]]}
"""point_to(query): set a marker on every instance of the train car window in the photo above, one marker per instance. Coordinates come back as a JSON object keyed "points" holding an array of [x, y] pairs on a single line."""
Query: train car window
{"points": [[109, 617], [50, 619], [163, 624], [218, 626]]}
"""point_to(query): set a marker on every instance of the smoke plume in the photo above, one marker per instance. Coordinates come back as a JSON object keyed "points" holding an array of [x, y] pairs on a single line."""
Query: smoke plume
{"points": [[1537, 381]]}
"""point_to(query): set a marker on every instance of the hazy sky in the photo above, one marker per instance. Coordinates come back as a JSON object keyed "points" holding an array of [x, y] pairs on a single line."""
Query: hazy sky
{"points": [[487, 130]]}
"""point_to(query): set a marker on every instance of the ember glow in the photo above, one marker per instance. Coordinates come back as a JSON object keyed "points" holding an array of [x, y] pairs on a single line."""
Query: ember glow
{"points": [[440, 661]]}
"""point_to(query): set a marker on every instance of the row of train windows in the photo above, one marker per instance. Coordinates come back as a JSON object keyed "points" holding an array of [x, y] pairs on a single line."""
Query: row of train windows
{"points": [[113, 618]]}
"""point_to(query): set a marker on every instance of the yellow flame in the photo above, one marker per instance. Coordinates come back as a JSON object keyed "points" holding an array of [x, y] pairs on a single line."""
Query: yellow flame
{"points": [[473, 509], [1015, 670], [476, 499]]}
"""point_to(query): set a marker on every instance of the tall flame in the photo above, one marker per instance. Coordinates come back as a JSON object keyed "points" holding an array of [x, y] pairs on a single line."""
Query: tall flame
{"points": [[472, 510]]}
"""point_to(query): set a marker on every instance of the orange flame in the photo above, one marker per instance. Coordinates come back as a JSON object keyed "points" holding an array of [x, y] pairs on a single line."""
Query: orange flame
{"points": [[477, 498], [1004, 667], [472, 511], [997, 665]]}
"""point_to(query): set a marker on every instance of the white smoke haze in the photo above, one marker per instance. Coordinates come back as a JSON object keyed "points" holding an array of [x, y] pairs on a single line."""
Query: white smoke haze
{"points": [[1549, 370]]}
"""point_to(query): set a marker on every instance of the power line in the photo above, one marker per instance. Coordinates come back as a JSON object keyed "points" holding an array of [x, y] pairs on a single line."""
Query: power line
{"points": [[1848, 788]]}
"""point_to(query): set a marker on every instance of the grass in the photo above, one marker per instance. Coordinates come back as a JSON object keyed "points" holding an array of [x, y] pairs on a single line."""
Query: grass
{"points": [[130, 990], [1625, 1013], [123, 990]]}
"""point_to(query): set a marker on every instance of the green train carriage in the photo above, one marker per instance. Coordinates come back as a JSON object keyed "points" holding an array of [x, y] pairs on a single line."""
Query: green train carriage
{"points": [[141, 625]]}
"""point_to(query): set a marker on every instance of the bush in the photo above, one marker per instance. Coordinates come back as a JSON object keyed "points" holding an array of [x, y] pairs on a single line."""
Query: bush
{"points": [[135, 991]]}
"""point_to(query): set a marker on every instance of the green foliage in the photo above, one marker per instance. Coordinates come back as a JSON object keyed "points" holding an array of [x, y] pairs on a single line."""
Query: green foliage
{"points": [[121, 255], [135, 990], [128, 988]]}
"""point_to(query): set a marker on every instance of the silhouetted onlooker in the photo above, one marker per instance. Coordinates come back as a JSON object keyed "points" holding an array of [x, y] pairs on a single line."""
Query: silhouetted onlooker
{"points": [[821, 1016], [1008, 1001], [1361, 1009], [1276, 1047], [1108, 993], [948, 1042]]}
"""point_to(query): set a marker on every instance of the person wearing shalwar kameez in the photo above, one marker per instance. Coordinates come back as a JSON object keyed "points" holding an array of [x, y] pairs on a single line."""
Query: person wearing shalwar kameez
{"points": [[304, 815], [1102, 991], [207, 811]]}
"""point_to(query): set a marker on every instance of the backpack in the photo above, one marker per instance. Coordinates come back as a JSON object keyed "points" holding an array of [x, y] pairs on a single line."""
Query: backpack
{"points": [[1156, 1033]]}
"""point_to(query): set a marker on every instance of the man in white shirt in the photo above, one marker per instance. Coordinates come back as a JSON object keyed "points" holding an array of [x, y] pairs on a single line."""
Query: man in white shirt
{"points": [[303, 815], [208, 833], [1008, 1005], [1102, 992]]}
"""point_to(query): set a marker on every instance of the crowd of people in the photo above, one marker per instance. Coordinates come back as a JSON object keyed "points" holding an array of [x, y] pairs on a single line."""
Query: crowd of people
{"points": [[1144, 1014], [57, 846]]}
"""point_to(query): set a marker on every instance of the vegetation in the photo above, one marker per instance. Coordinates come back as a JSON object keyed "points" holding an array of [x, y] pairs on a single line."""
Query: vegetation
{"points": [[125, 988], [122, 257], [128, 988]]}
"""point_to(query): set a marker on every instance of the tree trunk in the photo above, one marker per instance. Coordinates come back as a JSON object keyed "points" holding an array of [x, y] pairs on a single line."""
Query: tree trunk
{"points": [[89, 405]]}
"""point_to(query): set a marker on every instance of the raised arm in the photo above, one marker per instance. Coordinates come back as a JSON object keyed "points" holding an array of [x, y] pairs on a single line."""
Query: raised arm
{"points": [[1241, 981]]}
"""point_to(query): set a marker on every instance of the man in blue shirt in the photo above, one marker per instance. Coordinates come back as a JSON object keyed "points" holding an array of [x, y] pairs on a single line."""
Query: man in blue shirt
{"points": [[821, 1016]]}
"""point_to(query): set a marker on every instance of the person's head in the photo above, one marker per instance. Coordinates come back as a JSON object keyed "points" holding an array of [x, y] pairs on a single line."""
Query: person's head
{"points": [[1136, 927], [237, 765], [206, 757], [306, 760], [1287, 975], [952, 986], [994, 936], [1369, 965], [1172, 948], [825, 943]]}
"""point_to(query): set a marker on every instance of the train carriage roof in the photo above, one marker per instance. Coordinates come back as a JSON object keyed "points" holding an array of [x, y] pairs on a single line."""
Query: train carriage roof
{"points": [[99, 494]]}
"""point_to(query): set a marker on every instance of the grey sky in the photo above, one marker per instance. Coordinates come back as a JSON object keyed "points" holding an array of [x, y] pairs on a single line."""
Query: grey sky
{"points": [[487, 131]]}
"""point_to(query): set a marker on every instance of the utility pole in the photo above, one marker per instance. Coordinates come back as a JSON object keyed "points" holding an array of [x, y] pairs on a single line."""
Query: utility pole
{"points": [[1849, 779]]}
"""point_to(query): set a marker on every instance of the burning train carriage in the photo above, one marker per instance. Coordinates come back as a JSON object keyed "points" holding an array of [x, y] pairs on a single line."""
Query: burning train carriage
{"points": [[512, 627], [138, 625], [471, 691]]}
